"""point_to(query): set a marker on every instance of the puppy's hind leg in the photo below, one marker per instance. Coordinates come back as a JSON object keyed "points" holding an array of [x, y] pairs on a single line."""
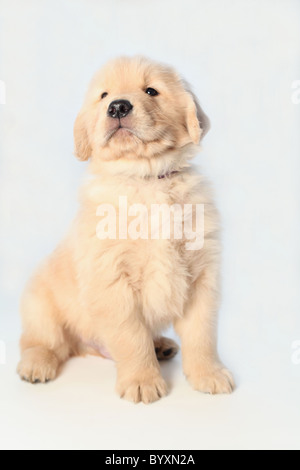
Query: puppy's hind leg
{"points": [[44, 346], [165, 348]]}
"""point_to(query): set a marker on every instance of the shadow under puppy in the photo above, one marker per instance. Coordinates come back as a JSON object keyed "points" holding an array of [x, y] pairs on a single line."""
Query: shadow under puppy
{"points": [[140, 125]]}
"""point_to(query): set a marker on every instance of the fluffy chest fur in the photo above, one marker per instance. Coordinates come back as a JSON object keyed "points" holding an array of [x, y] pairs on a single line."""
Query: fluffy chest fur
{"points": [[157, 272]]}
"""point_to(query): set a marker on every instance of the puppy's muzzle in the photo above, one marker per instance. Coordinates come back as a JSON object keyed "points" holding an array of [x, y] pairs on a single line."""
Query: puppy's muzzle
{"points": [[119, 109]]}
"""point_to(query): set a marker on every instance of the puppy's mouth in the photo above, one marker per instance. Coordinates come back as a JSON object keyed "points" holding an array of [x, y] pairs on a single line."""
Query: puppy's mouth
{"points": [[121, 131]]}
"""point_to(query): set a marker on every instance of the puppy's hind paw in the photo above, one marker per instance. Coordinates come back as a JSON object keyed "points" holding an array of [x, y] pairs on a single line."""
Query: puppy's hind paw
{"points": [[165, 348]]}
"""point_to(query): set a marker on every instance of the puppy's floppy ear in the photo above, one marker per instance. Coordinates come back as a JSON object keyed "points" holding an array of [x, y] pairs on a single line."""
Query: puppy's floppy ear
{"points": [[83, 149], [197, 122]]}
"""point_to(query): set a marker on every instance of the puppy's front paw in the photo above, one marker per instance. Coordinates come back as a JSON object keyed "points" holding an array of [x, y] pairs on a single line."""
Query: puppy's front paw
{"points": [[213, 380], [38, 365], [147, 388]]}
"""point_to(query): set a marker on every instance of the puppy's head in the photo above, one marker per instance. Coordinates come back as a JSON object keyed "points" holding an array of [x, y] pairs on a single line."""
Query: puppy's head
{"points": [[137, 109]]}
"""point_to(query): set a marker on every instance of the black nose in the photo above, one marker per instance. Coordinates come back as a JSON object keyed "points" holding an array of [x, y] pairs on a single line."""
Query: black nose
{"points": [[119, 109]]}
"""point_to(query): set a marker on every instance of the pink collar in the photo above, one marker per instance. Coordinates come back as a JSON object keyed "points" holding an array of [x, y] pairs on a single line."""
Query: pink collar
{"points": [[167, 175]]}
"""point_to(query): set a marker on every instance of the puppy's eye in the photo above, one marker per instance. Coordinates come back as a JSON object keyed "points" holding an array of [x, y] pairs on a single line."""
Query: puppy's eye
{"points": [[104, 95], [152, 92]]}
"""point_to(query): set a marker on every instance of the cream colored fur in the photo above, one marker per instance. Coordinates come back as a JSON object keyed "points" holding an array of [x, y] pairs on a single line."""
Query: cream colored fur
{"points": [[121, 294]]}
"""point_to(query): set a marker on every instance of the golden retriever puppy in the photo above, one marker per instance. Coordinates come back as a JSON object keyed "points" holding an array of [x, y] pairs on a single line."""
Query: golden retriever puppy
{"points": [[112, 287]]}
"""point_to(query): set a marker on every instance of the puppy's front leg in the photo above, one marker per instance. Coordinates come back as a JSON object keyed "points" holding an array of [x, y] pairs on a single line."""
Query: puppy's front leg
{"points": [[139, 378], [197, 329]]}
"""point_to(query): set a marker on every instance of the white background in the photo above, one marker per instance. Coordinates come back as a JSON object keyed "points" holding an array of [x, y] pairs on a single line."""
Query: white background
{"points": [[242, 57]]}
